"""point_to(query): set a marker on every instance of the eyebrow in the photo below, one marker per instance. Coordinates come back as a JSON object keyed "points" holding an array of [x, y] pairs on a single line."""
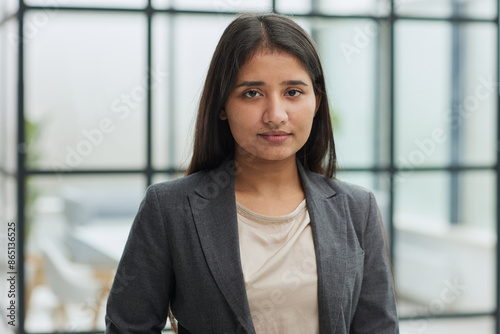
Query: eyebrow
{"points": [[261, 83]]}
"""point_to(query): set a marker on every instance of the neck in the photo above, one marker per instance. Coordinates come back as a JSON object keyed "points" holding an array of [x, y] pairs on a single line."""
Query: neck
{"points": [[266, 178]]}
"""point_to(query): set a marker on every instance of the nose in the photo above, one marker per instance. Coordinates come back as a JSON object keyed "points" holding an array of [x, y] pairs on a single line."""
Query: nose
{"points": [[275, 111]]}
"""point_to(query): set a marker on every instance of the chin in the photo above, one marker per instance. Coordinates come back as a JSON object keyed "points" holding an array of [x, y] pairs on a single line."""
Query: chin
{"points": [[277, 157], [269, 155]]}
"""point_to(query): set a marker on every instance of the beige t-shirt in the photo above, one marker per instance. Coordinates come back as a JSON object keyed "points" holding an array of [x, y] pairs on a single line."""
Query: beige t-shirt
{"points": [[279, 267]]}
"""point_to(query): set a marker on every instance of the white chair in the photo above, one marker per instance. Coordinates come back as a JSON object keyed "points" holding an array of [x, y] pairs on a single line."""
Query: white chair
{"points": [[71, 282]]}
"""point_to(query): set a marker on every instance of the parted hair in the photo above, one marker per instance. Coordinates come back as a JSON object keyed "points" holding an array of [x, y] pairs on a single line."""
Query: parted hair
{"points": [[247, 34]]}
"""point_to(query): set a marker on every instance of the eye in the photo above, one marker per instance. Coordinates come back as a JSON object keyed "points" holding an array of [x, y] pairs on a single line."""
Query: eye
{"points": [[251, 93], [293, 92]]}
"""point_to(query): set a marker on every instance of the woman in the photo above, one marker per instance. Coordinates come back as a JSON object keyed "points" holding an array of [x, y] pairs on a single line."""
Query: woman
{"points": [[259, 237]]}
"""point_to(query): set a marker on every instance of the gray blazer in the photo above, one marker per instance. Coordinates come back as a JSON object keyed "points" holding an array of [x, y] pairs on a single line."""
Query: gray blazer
{"points": [[183, 250]]}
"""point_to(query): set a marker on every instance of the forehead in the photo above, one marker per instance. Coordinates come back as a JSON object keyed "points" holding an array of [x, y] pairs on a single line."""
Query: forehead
{"points": [[272, 62]]}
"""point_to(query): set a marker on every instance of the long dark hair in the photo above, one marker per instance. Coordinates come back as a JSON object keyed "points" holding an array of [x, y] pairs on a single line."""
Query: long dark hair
{"points": [[213, 141]]}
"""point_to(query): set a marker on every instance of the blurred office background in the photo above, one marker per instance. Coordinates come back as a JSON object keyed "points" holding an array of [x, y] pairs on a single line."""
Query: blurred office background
{"points": [[107, 102]]}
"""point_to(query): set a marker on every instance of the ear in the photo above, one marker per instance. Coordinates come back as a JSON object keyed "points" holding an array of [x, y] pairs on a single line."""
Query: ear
{"points": [[318, 102], [222, 114]]}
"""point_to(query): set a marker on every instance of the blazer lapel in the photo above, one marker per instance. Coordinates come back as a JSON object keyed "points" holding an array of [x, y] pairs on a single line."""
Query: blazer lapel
{"points": [[328, 217], [213, 205]]}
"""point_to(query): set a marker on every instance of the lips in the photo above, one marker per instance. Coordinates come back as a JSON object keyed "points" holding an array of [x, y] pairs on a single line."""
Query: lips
{"points": [[275, 136]]}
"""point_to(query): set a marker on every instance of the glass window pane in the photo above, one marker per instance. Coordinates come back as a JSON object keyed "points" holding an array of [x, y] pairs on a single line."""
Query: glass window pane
{"points": [[11, 198], [3, 94], [78, 226], [477, 200], [161, 4], [440, 8], [350, 80], [8, 95], [89, 3], [86, 91], [444, 8], [443, 273], [293, 6], [363, 179], [481, 9], [423, 88], [441, 268], [416, 206], [477, 122], [483, 325], [372, 7], [8, 199], [189, 75], [223, 5], [8, 7]]}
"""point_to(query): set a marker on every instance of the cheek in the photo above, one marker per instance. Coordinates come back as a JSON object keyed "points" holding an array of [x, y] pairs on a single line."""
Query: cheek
{"points": [[237, 124], [240, 130], [243, 119], [304, 121], [304, 115]]}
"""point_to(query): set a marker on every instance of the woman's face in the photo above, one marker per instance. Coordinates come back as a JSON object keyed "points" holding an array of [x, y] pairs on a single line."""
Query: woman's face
{"points": [[271, 107]]}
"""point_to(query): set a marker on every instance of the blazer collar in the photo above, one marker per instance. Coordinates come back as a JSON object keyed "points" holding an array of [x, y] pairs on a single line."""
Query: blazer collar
{"points": [[213, 206]]}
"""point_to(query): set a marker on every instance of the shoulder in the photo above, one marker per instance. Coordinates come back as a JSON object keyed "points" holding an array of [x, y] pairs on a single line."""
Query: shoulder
{"points": [[352, 192], [355, 195], [349, 189], [216, 179], [172, 198], [179, 187], [359, 202]]}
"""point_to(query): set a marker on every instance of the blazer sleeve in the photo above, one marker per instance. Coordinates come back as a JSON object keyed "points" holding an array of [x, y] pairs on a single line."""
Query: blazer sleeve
{"points": [[139, 297], [376, 309]]}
